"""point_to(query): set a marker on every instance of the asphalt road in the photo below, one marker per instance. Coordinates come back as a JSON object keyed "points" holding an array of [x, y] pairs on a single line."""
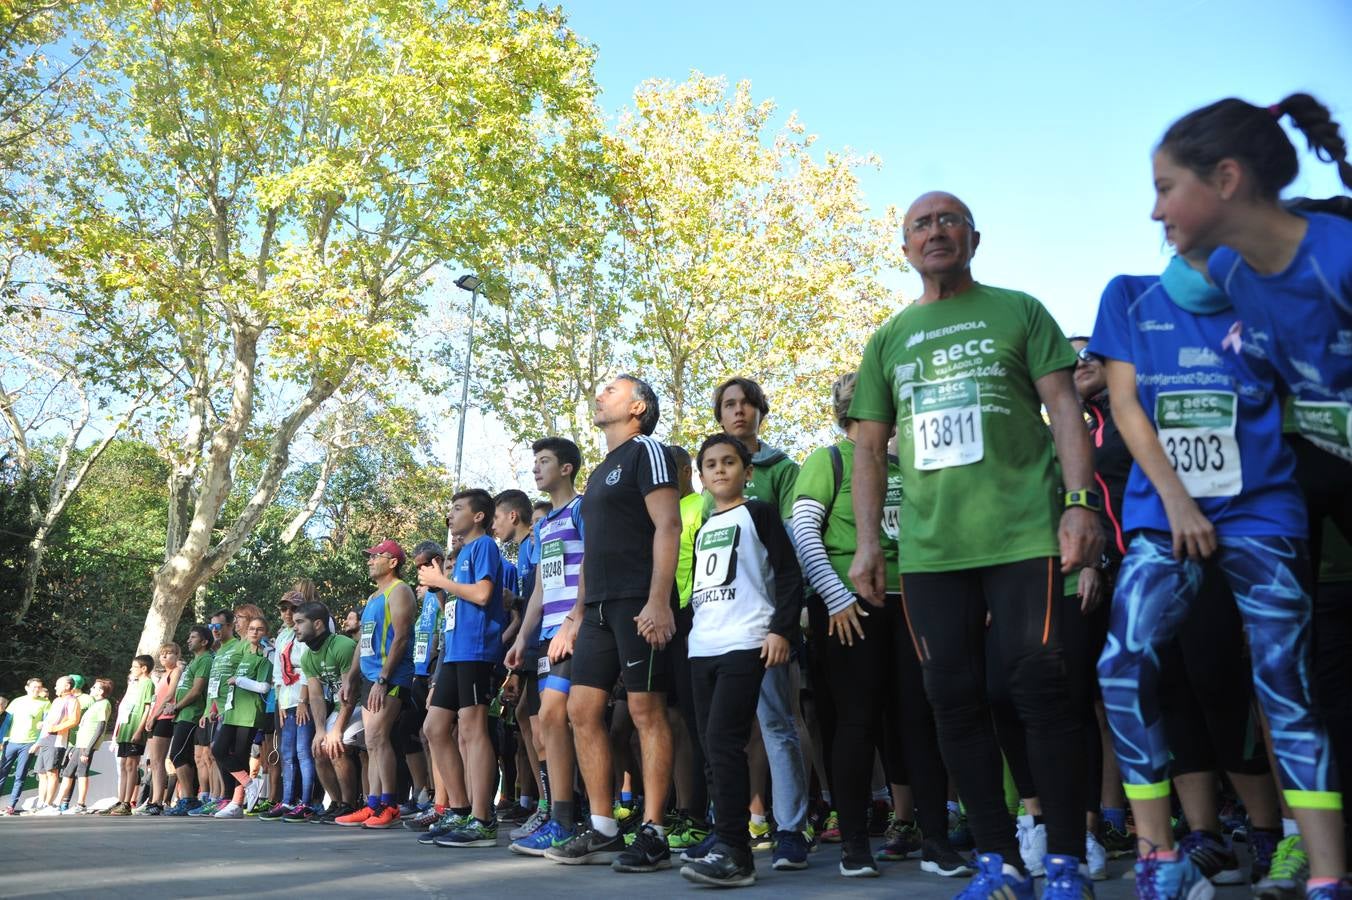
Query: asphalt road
{"points": [[87, 856]]}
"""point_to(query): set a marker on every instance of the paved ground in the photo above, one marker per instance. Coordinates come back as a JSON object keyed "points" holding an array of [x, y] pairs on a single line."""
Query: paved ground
{"points": [[141, 858]]}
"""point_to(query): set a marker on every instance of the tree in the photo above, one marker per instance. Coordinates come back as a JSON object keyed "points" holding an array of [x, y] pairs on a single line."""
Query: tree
{"points": [[257, 198], [744, 254]]}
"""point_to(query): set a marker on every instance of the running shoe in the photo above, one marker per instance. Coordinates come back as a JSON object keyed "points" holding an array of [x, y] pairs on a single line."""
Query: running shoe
{"points": [[1118, 842], [1262, 845], [701, 850], [121, 809], [207, 807], [273, 813], [423, 820], [78, 810], [589, 847], [686, 833], [548, 836], [449, 822], [627, 816], [475, 833], [180, 808], [251, 793], [48, 811], [1340, 890], [387, 817], [530, 826], [356, 818], [515, 814], [1095, 857], [262, 806], [648, 853], [1213, 857], [902, 839], [231, 810], [409, 809], [10, 811], [1177, 879], [1032, 845], [301, 813], [1286, 877], [334, 812], [721, 867], [791, 850], [939, 858], [992, 882], [762, 835], [1064, 881], [830, 829], [855, 859]]}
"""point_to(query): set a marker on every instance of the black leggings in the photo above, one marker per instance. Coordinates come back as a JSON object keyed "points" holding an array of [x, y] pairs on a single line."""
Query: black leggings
{"points": [[685, 700], [725, 691], [183, 743], [1083, 637], [231, 750], [947, 616], [878, 698]]}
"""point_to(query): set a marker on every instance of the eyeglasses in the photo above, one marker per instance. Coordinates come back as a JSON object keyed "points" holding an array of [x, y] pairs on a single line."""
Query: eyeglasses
{"points": [[946, 221], [1085, 356]]}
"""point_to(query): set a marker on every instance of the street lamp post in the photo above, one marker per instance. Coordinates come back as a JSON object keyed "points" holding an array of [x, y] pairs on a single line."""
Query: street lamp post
{"points": [[472, 284]]}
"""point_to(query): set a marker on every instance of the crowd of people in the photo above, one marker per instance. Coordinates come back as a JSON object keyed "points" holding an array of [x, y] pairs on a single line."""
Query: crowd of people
{"points": [[1047, 600]]}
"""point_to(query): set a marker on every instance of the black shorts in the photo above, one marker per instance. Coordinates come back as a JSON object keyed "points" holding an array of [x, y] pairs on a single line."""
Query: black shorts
{"points": [[461, 685], [76, 767], [184, 737], [609, 648], [49, 759], [412, 714], [206, 734], [548, 676], [364, 688], [127, 748], [163, 728]]}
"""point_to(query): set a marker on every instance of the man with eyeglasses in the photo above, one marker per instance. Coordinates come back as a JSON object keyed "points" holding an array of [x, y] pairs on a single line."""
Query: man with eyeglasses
{"points": [[963, 374], [223, 665]]}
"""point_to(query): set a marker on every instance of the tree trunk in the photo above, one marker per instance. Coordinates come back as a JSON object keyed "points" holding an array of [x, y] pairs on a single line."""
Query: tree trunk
{"points": [[37, 549], [173, 586]]}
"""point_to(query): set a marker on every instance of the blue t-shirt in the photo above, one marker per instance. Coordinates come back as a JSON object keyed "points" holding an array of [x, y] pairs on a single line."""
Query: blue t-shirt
{"points": [[1300, 320], [511, 578], [424, 630], [473, 632], [527, 560], [1209, 403]]}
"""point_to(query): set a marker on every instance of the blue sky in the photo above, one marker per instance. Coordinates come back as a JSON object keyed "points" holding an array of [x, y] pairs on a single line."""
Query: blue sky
{"points": [[1040, 115]]}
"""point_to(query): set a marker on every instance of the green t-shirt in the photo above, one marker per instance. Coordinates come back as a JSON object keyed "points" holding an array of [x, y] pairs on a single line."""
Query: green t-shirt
{"points": [[692, 517], [957, 379], [133, 708], [92, 723], [817, 480], [85, 702], [241, 705], [222, 667], [199, 667], [329, 663], [27, 715]]}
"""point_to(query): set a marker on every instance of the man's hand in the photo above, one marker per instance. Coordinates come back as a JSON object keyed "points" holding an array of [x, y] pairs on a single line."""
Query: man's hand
{"points": [[561, 645], [869, 573], [774, 650], [1090, 590], [514, 653], [1081, 538], [656, 624], [332, 746], [375, 698]]}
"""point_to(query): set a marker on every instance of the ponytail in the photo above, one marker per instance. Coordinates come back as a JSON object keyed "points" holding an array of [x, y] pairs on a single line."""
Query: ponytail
{"points": [[1326, 140]]}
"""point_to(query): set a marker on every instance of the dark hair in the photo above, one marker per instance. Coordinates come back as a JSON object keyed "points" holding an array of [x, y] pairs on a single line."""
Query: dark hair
{"points": [[106, 683], [543, 506], [679, 455], [1079, 337], [480, 501], [315, 612], [228, 614], [514, 500], [722, 437], [564, 450], [750, 389], [430, 549], [204, 633], [1253, 135], [145, 660], [647, 423]]}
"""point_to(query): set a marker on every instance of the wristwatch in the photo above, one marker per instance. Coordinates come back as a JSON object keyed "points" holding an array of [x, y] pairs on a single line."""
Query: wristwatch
{"points": [[382, 681], [1089, 499]]}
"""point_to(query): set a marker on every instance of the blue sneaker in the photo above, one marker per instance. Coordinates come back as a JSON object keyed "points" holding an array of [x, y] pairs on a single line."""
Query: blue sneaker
{"points": [[549, 835], [1064, 881], [1173, 879], [181, 807], [700, 850], [992, 882], [790, 850], [1342, 890]]}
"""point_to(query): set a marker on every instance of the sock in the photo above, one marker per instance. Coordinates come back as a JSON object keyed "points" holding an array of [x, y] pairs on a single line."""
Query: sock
{"points": [[660, 829], [461, 810], [626, 797], [524, 801], [1013, 872], [561, 811], [1026, 821], [544, 783], [607, 827], [1289, 827], [373, 801], [1167, 855], [1116, 818], [953, 806], [543, 805], [759, 820], [826, 797], [387, 799], [441, 809]]}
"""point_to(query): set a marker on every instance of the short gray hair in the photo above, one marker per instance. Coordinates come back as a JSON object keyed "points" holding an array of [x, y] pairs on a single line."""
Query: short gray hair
{"points": [[643, 391]]}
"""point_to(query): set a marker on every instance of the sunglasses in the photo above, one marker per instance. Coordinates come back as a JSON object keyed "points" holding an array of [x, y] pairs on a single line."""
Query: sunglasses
{"points": [[1085, 356]]}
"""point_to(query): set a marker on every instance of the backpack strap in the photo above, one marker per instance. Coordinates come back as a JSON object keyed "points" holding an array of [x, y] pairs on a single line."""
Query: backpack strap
{"points": [[838, 471]]}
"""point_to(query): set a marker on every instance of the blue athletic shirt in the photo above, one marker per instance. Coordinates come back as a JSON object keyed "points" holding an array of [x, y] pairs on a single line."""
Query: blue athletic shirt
{"points": [[473, 632], [511, 578], [377, 634], [1190, 372], [424, 632], [1300, 319], [527, 560]]}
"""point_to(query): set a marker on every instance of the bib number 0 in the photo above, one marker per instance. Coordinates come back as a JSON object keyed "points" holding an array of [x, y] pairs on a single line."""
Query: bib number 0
{"points": [[1197, 431], [946, 424], [715, 557]]}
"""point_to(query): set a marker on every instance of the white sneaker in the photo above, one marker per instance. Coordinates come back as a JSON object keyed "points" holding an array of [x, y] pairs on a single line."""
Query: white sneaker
{"points": [[251, 792], [75, 810], [1032, 845], [1096, 857], [47, 811], [231, 810]]}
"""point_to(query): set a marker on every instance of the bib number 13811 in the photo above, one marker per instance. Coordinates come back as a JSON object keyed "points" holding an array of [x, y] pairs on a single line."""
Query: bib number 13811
{"points": [[946, 424]]}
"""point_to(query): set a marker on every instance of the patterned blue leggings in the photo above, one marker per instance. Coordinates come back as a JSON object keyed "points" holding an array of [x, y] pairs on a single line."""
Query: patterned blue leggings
{"points": [[1154, 594]]}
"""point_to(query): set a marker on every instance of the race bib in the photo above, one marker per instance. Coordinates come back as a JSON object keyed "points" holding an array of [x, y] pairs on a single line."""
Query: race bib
{"points": [[892, 521], [1327, 425], [1197, 431], [551, 566], [542, 666], [451, 604], [367, 645], [715, 557], [422, 642], [946, 424], [214, 687]]}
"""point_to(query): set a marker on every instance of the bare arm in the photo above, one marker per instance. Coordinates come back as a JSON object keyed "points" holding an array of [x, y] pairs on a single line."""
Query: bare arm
{"points": [[868, 483], [656, 621]]}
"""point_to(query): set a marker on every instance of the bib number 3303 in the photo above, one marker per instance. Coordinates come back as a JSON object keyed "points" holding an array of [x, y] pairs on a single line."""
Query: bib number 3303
{"points": [[946, 424], [1197, 431]]}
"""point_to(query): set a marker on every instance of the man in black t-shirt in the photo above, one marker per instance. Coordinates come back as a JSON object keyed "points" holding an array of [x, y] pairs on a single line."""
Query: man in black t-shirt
{"points": [[622, 622]]}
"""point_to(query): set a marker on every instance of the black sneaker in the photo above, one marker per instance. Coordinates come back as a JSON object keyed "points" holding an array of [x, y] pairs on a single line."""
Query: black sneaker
{"points": [[449, 821], [590, 847], [855, 859], [423, 820], [515, 814], [276, 814], [721, 867], [1213, 857], [791, 850], [302, 813], [648, 853], [334, 812], [939, 858]]}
